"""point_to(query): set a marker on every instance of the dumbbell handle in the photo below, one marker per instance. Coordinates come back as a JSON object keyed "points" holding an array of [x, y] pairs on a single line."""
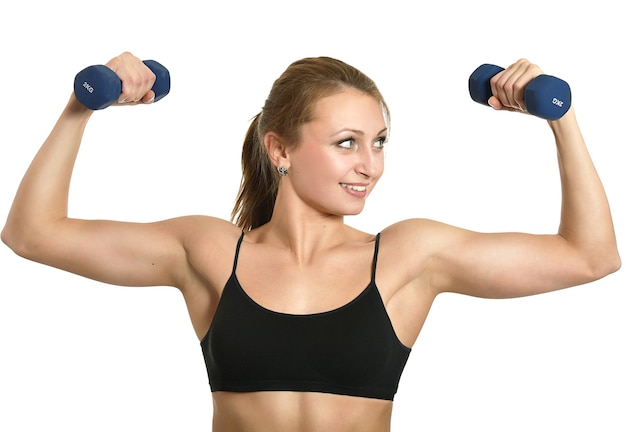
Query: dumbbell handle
{"points": [[98, 87], [546, 96]]}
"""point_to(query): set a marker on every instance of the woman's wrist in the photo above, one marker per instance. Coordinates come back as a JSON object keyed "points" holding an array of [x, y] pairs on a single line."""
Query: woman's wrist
{"points": [[74, 107]]}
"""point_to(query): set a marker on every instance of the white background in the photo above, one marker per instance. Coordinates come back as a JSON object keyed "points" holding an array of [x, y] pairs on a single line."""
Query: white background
{"points": [[77, 355]]}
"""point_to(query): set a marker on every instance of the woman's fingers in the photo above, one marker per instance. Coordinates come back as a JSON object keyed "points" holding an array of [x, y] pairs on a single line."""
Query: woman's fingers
{"points": [[509, 85], [137, 79]]}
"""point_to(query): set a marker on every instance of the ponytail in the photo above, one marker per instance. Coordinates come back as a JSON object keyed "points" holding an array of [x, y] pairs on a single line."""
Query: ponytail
{"points": [[259, 182]]}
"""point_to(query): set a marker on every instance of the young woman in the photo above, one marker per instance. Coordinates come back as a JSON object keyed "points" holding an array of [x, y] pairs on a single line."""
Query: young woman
{"points": [[306, 323]]}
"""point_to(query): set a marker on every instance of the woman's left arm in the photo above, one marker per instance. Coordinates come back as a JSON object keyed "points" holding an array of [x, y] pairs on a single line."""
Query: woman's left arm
{"points": [[513, 264]]}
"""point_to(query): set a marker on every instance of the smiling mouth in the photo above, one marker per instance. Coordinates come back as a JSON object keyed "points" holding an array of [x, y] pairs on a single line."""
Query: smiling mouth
{"points": [[353, 187]]}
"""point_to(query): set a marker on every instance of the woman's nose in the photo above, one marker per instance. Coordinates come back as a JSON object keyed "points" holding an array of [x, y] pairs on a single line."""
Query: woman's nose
{"points": [[370, 162]]}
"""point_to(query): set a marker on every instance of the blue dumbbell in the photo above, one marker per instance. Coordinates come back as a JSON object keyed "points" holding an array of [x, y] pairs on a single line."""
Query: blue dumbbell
{"points": [[98, 87], [546, 96]]}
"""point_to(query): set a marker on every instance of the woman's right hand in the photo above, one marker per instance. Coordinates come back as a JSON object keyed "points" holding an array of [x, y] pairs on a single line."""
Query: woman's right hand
{"points": [[137, 79]]}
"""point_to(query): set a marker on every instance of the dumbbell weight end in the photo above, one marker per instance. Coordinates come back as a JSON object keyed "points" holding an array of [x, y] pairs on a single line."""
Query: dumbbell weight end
{"points": [[161, 86], [97, 87]]}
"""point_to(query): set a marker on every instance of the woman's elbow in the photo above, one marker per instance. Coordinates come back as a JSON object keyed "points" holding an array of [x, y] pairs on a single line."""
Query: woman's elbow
{"points": [[610, 263], [18, 241], [10, 239], [616, 263]]}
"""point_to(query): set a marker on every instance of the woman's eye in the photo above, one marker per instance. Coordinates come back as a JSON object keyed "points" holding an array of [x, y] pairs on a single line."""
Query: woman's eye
{"points": [[380, 142], [347, 144]]}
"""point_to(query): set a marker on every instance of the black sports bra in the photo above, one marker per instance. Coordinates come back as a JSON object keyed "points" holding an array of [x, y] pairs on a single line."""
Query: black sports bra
{"points": [[352, 350]]}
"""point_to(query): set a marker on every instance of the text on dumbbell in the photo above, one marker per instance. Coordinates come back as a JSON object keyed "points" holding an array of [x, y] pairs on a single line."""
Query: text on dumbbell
{"points": [[557, 102], [88, 87]]}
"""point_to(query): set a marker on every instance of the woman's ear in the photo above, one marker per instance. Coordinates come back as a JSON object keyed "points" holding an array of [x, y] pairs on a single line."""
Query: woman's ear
{"points": [[276, 150]]}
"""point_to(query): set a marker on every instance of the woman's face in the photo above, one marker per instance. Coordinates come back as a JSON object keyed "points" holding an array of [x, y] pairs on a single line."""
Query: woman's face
{"points": [[340, 156]]}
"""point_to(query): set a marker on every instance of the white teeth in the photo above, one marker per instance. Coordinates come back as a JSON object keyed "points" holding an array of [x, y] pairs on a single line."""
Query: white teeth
{"points": [[354, 188]]}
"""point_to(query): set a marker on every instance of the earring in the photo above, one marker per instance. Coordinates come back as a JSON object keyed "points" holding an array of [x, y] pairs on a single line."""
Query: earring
{"points": [[282, 171]]}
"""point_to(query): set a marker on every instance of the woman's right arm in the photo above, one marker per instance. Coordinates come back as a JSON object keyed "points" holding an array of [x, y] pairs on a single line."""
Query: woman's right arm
{"points": [[38, 226]]}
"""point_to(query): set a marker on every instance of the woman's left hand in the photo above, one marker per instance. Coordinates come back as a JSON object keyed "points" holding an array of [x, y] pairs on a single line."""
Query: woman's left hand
{"points": [[509, 85]]}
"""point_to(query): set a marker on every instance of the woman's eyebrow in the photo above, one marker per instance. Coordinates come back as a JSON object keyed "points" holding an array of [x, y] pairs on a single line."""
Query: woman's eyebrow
{"points": [[358, 131]]}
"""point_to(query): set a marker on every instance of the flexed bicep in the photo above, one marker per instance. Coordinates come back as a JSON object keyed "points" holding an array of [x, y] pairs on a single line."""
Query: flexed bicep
{"points": [[506, 265], [445, 258], [120, 253]]}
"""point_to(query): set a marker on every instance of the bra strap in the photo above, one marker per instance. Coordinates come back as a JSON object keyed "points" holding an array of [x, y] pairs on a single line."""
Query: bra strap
{"points": [[375, 257], [237, 252]]}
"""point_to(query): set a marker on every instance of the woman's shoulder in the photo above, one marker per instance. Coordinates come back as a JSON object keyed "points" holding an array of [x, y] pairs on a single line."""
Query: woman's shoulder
{"points": [[418, 234], [204, 230], [411, 227]]}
